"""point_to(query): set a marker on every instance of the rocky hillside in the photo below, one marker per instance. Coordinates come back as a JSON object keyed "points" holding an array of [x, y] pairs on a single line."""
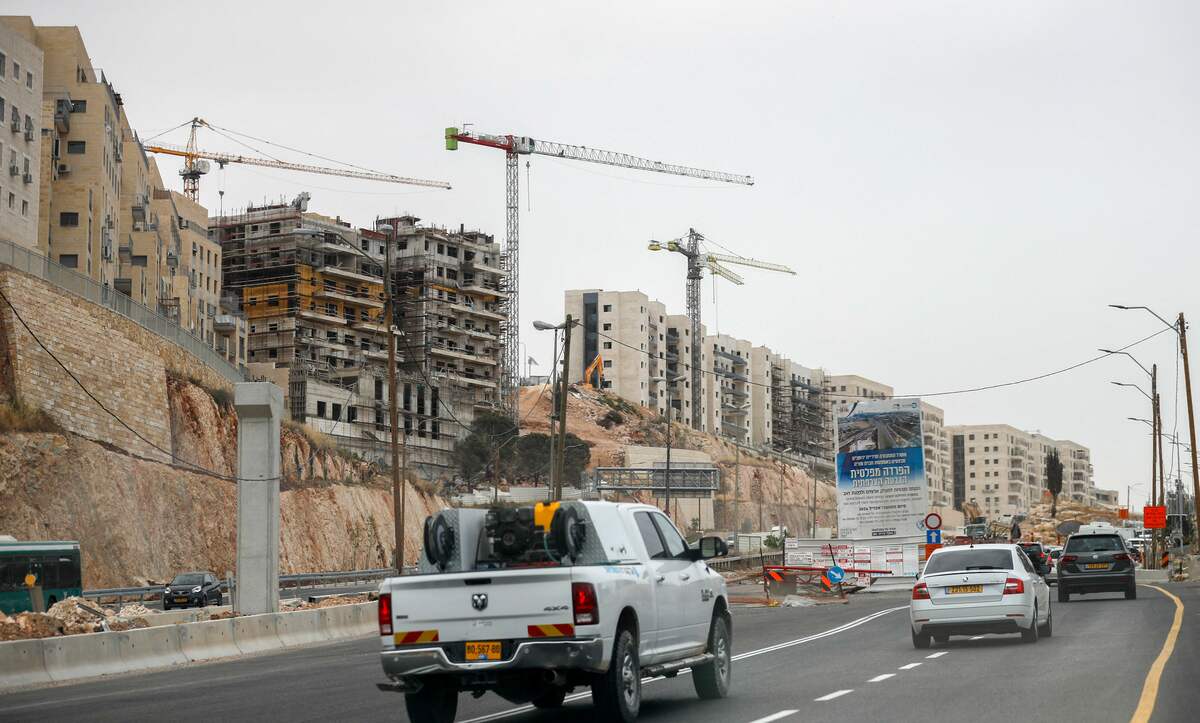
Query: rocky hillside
{"points": [[755, 489], [139, 520]]}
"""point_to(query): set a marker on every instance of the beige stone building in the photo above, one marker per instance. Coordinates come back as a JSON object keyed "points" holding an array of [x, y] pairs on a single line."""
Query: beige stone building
{"points": [[21, 136], [1002, 468]]}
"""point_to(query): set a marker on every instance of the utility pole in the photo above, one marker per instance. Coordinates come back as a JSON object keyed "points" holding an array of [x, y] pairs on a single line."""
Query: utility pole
{"points": [[560, 456], [1154, 457], [1187, 383], [398, 482], [667, 498], [737, 491], [813, 514]]}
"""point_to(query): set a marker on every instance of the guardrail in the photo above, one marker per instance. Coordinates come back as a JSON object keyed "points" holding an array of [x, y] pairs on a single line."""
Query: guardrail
{"points": [[296, 582], [734, 562]]}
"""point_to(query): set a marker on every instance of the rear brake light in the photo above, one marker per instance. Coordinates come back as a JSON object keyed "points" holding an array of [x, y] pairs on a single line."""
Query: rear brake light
{"points": [[1121, 556], [1068, 558], [584, 604], [1014, 586], [920, 591], [385, 613]]}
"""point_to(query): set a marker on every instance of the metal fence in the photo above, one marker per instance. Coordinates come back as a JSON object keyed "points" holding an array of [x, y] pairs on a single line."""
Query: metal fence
{"points": [[34, 264], [290, 582]]}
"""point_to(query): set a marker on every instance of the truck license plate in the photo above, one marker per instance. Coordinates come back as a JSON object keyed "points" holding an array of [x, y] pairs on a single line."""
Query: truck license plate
{"points": [[483, 651]]}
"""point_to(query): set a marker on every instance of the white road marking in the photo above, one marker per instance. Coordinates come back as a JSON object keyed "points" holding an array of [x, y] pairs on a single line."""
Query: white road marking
{"points": [[977, 637], [831, 696], [936, 655], [741, 656], [775, 716], [910, 666], [878, 678]]}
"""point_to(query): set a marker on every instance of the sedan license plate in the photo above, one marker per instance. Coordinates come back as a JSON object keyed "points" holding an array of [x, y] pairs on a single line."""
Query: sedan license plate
{"points": [[483, 651], [958, 589], [1097, 565], [181, 599]]}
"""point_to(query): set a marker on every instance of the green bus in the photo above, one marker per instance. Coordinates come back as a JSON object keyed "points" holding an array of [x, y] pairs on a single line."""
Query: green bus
{"points": [[54, 567]]}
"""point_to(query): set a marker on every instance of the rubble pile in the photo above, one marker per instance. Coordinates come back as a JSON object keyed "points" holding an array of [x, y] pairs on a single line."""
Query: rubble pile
{"points": [[24, 626], [1042, 527]]}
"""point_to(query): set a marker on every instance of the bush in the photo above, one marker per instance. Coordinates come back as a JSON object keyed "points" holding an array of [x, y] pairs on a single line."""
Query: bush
{"points": [[772, 542], [611, 419], [16, 416]]}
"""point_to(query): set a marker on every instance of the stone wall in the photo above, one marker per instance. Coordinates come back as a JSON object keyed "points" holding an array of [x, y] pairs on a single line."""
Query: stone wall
{"points": [[123, 364]]}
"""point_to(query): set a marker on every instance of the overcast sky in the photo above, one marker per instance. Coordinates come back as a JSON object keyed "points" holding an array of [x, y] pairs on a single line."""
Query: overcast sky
{"points": [[962, 187]]}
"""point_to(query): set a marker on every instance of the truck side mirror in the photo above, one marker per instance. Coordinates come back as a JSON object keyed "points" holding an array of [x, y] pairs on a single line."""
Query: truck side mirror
{"points": [[712, 546]]}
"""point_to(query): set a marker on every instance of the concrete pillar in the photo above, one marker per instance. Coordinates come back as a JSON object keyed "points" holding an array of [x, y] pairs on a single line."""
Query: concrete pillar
{"points": [[260, 410]]}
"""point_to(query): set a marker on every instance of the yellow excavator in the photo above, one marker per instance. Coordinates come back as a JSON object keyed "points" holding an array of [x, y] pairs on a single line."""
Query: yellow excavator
{"points": [[596, 368]]}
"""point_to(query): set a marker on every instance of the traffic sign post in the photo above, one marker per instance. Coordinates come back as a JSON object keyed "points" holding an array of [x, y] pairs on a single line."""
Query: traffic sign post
{"points": [[933, 537], [835, 574], [933, 521]]}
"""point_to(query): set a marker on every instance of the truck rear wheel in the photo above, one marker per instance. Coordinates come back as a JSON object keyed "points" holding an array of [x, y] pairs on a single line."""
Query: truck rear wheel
{"points": [[711, 680], [435, 702], [617, 694]]}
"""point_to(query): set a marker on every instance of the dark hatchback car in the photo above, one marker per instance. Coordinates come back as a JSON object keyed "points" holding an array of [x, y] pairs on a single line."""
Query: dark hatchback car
{"points": [[192, 589], [1095, 563], [1037, 555]]}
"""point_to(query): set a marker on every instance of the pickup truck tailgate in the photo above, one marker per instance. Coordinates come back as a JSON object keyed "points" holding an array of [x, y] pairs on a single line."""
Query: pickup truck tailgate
{"points": [[481, 606]]}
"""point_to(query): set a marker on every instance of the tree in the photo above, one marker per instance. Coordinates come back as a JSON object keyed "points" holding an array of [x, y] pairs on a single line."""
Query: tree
{"points": [[576, 458], [532, 457], [1054, 479], [487, 444]]}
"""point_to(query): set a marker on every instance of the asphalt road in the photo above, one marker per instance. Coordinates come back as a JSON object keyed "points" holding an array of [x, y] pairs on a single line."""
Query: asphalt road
{"points": [[831, 663]]}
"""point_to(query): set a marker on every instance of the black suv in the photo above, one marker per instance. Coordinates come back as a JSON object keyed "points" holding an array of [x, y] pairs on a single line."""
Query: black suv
{"points": [[1095, 563], [192, 589]]}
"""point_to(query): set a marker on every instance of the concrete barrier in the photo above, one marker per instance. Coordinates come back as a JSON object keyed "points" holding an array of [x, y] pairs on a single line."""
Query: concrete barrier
{"points": [[257, 633], [147, 648], [302, 627], [83, 656], [190, 615], [22, 663], [208, 640]]}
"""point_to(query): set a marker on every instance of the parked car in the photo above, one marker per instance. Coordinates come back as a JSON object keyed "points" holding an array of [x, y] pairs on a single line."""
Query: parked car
{"points": [[977, 590], [531, 603], [192, 589], [1095, 563]]}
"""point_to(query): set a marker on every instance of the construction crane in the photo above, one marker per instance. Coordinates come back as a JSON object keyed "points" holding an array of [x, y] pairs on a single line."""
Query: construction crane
{"points": [[196, 164], [698, 260], [514, 147]]}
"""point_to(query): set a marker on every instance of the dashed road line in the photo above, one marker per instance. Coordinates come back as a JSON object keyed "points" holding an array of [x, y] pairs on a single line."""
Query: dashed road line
{"points": [[910, 666], [879, 678], [775, 716], [834, 694], [936, 655]]}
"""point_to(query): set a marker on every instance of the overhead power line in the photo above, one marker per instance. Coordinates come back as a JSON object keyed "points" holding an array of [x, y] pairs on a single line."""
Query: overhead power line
{"points": [[968, 390]]}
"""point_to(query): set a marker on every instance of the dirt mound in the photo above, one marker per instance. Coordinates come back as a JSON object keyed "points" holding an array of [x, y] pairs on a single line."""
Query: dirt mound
{"points": [[24, 626]]}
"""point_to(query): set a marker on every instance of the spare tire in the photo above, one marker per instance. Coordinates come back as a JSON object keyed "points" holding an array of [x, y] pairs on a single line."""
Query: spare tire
{"points": [[568, 532], [439, 541]]}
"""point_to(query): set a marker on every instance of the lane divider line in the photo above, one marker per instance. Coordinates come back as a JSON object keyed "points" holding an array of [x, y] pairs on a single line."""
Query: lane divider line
{"points": [[686, 671], [878, 678], [1145, 707], [977, 637], [910, 666], [775, 716], [936, 655], [831, 696]]}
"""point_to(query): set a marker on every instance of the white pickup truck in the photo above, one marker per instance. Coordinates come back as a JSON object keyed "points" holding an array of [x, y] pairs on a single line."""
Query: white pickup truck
{"points": [[532, 602]]}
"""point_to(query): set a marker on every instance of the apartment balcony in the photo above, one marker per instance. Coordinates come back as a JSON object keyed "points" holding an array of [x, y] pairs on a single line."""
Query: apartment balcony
{"points": [[455, 353], [350, 275], [474, 287], [225, 323], [323, 293], [326, 318], [730, 356], [470, 379], [477, 311]]}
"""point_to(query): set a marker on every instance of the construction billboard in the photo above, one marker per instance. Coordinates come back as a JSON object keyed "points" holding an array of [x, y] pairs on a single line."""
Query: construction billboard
{"points": [[881, 483]]}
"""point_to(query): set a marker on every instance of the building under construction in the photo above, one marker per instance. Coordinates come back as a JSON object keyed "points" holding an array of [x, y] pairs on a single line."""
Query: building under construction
{"points": [[312, 290]]}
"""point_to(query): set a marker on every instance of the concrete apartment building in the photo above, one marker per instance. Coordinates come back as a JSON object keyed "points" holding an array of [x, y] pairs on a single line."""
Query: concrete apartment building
{"points": [[311, 288], [801, 423], [21, 137], [1002, 468]]}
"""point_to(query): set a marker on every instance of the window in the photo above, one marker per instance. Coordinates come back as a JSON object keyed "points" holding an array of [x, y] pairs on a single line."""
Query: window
{"points": [[607, 308], [608, 363], [1, 110], [139, 260], [654, 544], [607, 327], [969, 559], [28, 79], [608, 345], [76, 147], [24, 208], [337, 411], [71, 261], [3, 64], [675, 544], [16, 70], [79, 106], [321, 409]]}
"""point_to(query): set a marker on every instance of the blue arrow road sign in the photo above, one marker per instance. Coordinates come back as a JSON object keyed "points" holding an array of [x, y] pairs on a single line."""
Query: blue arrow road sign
{"points": [[835, 574], [933, 537]]}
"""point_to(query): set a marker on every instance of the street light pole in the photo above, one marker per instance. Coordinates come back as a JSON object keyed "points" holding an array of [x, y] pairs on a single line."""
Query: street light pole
{"points": [[398, 481]]}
